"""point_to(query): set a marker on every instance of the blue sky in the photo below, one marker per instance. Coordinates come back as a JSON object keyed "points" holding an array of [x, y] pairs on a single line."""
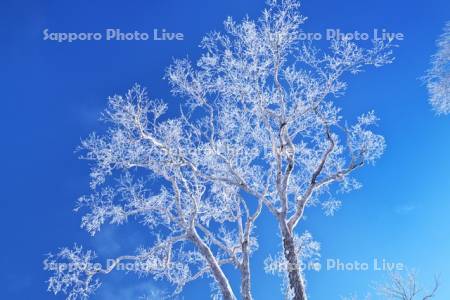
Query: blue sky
{"points": [[53, 92]]}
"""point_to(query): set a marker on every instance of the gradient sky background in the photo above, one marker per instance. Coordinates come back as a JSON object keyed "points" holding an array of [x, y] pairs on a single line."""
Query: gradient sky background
{"points": [[52, 94]]}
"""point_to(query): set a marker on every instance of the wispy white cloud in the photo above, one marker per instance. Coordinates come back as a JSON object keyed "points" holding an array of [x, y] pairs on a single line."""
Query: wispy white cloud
{"points": [[404, 209], [18, 282], [106, 242], [113, 241], [136, 290]]}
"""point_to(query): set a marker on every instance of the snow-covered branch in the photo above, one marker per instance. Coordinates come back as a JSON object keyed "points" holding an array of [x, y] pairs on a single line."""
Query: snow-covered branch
{"points": [[438, 76]]}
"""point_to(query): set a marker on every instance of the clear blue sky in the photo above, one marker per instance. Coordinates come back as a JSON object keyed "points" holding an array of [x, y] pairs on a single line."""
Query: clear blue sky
{"points": [[52, 93]]}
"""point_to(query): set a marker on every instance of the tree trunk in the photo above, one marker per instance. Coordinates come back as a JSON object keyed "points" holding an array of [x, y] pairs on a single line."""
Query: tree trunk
{"points": [[216, 270], [296, 283], [245, 273]]}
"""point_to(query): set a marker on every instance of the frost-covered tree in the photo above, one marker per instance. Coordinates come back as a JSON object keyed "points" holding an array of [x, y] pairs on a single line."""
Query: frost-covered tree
{"points": [[406, 287], [259, 127], [438, 76], [272, 127], [401, 286]]}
